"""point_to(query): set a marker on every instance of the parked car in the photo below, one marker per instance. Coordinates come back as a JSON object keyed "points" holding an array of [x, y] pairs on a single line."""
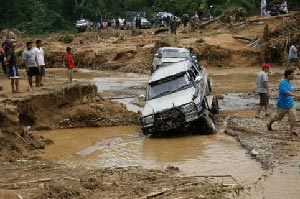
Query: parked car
{"points": [[145, 24], [169, 55], [83, 25], [179, 97]]}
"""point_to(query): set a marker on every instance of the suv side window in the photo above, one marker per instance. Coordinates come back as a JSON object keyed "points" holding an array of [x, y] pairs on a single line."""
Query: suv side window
{"points": [[192, 75]]}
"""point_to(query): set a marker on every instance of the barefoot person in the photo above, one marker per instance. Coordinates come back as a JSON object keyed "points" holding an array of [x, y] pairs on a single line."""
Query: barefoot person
{"points": [[29, 58], [13, 71], [70, 63], [40, 57], [263, 89], [285, 102]]}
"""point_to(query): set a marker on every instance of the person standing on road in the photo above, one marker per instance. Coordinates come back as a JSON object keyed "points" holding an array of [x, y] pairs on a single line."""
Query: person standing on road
{"points": [[263, 89], [285, 102], [70, 64], [13, 71], [263, 8], [293, 57], [173, 25], [30, 60], [98, 26], [185, 20], [3, 57], [40, 57]]}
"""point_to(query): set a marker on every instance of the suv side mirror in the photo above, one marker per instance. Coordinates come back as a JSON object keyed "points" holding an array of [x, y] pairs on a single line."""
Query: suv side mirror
{"points": [[198, 79], [158, 55]]}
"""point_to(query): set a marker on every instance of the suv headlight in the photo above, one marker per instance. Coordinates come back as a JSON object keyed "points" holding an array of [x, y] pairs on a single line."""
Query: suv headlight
{"points": [[148, 120], [188, 108]]}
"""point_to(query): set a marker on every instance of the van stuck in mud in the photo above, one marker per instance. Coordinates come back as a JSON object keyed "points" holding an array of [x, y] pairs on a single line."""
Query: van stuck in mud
{"points": [[179, 97]]}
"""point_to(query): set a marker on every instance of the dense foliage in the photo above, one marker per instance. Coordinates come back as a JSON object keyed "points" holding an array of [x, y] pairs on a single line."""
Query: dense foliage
{"points": [[41, 16]]}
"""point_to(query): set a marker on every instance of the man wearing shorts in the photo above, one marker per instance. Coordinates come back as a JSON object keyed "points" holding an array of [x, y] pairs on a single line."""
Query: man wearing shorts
{"points": [[13, 71], [40, 57], [263, 89], [30, 60], [70, 63], [285, 102]]}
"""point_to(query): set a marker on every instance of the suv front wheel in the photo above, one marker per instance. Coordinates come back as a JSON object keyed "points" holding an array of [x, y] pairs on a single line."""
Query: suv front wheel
{"points": [[208, 124]]}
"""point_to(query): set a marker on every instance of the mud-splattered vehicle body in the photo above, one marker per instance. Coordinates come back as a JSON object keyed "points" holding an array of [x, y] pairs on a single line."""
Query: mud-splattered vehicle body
{"points": [[179, 97]]}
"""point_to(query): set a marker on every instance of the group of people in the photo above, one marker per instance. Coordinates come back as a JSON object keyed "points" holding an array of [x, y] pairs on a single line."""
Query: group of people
{"points": [[285, 101], [279, 7], [33, 60]]}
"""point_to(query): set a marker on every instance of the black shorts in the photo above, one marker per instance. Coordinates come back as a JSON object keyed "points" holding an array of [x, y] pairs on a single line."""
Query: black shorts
{"points": [[264, 99], [33, 71], [294, 60]]}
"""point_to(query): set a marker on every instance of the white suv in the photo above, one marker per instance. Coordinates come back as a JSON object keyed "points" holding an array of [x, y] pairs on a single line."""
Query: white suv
{"points": [[179, 96], [169, 55]]}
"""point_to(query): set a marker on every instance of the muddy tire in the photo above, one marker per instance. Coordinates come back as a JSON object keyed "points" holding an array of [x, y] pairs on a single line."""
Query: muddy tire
{"points": [[215, 109], [208, 124]]}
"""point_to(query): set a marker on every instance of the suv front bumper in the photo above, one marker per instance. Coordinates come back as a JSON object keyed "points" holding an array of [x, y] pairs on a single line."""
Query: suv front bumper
{"points": [[173, 119]]}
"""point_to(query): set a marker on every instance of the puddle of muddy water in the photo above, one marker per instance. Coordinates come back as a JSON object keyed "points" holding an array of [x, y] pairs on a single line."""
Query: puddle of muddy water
{"points": [[126, 146]]}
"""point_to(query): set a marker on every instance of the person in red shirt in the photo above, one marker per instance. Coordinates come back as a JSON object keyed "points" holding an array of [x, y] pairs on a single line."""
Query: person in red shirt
{"points": [[70, 63]]}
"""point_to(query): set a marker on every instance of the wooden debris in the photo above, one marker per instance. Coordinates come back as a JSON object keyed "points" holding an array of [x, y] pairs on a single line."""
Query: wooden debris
{"points": [[243, 38]]}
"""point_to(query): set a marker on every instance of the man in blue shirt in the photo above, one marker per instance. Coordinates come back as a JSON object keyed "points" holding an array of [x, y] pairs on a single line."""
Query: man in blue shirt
{"points": [[285, 102]]}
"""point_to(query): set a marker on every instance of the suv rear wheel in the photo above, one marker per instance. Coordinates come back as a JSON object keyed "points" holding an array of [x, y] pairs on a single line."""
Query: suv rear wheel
{"points": [[215, 106]]}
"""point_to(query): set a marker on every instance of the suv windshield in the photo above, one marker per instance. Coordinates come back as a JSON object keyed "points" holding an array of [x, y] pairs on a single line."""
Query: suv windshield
{"points": [[167, 86], [174, 54]]}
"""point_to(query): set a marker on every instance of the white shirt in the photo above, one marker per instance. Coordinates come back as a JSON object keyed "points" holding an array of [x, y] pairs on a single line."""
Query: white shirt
{"points": [[263, 3], [293, 52], [40, 55]]}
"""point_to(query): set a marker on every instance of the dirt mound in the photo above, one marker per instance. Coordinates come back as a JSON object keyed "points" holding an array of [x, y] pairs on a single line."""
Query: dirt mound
{"points": [[74, 105], [19, 144], [213, 55]]}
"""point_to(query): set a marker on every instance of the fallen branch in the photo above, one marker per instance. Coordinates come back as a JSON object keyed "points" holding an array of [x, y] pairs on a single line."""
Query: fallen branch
{"points": [[162, 30], [242, 38], [159, 193], [24, 183]]}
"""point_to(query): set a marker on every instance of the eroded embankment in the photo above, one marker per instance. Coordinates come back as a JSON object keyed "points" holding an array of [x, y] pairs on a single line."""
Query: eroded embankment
{"points": [[74, 105]]}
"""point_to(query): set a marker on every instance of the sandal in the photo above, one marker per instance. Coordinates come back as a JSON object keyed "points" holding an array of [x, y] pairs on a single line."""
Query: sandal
{"points": [[270, 128], [295, 133]]}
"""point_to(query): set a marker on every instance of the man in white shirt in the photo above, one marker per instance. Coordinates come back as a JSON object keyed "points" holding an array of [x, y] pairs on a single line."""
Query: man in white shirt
{"points": [[263, 8], [293, 55], [40, 56]]}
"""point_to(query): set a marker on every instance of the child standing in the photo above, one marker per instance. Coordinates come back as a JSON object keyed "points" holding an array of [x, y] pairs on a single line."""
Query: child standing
{"points": [[70, 63]]}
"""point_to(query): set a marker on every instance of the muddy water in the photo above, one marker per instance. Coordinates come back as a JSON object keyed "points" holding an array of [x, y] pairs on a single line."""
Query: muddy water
{"points": [[126, 88], [126, 146], [280, 183]]}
